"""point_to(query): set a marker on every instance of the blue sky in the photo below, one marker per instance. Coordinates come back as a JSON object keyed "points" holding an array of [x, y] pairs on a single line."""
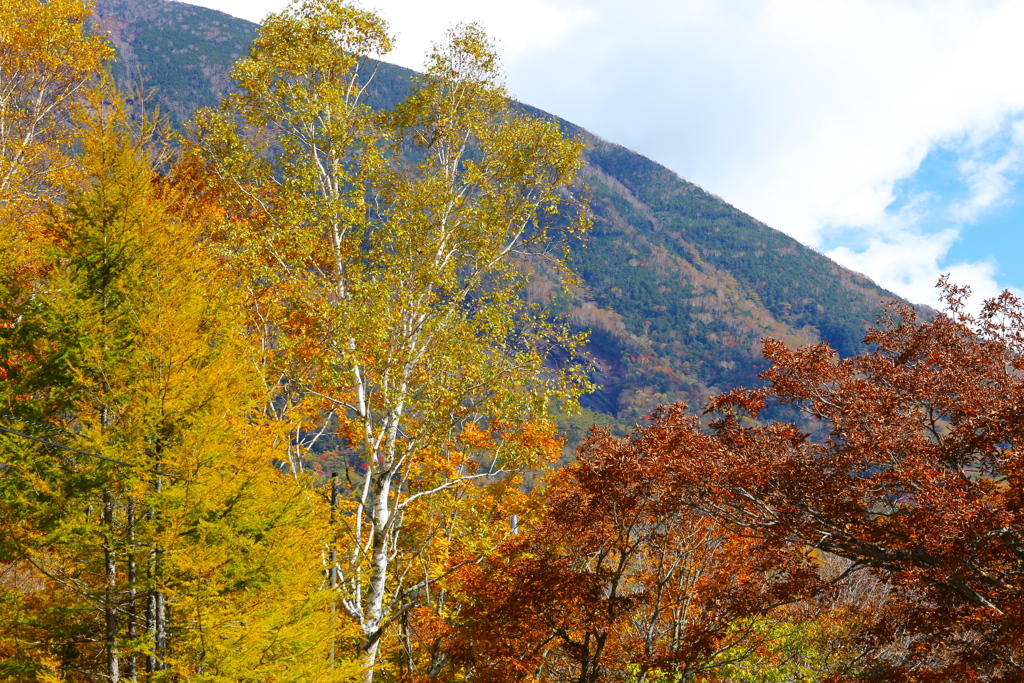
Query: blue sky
{"points": [[996, 231], [961, 211], [888, 134]]}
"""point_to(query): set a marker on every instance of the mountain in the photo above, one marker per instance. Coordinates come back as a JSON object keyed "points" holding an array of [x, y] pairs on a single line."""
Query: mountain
{"points": [[678, 286]]}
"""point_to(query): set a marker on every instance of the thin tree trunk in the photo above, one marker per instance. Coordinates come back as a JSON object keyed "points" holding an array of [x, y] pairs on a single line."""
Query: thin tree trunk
{"points": [[333, 571], [110, 597], [130, 665], [155, 608], [151, 626], [156, 619], [161, 628]]}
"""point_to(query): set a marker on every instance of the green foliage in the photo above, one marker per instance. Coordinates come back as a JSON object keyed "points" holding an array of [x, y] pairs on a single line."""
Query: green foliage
{"points": [[782, 650]]}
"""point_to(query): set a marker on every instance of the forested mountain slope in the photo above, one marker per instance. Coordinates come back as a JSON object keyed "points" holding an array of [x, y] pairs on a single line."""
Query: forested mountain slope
{"points": [[678, 286]]}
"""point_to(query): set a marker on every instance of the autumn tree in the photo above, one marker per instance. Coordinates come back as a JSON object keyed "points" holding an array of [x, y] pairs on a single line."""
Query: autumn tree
{"points": [[145, 528], [384, 253], [47, 56], [620, 579], [916, 482]]}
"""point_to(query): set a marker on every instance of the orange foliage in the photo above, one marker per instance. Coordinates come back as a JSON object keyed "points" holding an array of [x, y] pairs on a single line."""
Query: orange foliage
{"points": [[617, 575], [918, 480]]}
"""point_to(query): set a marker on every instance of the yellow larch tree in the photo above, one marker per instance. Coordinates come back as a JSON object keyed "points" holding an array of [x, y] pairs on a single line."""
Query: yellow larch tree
{"points": [[153, 535]]}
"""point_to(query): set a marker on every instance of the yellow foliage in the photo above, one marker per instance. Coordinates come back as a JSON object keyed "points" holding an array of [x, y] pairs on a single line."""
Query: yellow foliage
{"points": [[48, 56]]}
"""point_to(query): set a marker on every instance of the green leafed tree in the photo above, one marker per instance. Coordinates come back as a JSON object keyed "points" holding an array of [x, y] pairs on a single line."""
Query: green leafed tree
{"points": [[384, 254]]}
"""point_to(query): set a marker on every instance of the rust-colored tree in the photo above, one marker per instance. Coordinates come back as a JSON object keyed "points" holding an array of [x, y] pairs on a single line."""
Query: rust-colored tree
{"points": [[621, 580], [917, 481]]}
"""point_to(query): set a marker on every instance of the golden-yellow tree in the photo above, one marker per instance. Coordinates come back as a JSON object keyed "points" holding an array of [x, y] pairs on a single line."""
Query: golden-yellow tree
{"points": [[166, 543], [385, 252], [47, 56]]}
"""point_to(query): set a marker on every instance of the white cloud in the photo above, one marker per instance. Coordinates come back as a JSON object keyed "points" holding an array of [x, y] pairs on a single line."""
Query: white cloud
{"points": [[830, 100], [521, 28], [989, 177], [905, 262], [905, 257], [806, 113], [910, 263]]}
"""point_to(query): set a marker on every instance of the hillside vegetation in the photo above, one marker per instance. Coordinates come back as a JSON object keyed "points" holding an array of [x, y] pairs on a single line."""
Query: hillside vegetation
{"points": [[678, 287]]}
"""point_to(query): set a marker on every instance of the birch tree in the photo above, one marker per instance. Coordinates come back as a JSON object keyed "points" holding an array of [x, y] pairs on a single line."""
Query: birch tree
{"points": [[47, 56], [387, 251]]}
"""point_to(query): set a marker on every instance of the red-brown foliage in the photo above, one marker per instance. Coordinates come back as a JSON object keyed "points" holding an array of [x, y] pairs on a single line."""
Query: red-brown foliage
{"points": [[620, 576], [919, 478]]}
